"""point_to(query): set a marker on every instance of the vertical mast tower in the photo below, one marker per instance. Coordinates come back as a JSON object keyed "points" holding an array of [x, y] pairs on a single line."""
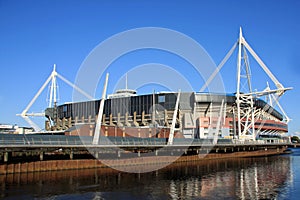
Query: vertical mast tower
{"points": [[246, 112]]}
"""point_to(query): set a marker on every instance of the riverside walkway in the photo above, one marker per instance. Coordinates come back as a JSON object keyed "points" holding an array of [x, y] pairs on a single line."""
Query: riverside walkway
{"points": [[25, 146]]}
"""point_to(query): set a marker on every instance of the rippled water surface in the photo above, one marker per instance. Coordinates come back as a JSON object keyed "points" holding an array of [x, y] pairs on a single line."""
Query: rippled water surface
{"points": [[276, 177]]}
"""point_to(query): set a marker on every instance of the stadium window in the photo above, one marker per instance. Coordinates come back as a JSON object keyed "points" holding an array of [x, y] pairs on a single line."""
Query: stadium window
{"points": [[161, 99]]}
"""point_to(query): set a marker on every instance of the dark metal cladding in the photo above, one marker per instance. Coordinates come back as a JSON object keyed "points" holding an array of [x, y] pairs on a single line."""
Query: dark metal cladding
{"points": [[214, 98], [269, 109], [144, 103]]}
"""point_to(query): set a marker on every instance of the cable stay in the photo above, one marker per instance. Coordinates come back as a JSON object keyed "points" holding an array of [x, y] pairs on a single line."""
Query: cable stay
{"points": [[243, 43]]}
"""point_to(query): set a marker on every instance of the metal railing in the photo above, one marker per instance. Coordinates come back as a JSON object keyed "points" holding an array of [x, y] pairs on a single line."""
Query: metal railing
{"points": [[12, 139]]}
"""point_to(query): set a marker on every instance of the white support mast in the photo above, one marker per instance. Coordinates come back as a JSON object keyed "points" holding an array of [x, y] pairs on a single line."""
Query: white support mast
{"points": [[53, 88], [238, 79], [219, 123], [100, 113], [246, 112], [172, 130], [52, 97]]}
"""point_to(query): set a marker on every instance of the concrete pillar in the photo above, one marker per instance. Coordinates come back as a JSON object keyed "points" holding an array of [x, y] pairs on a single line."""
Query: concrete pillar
{"points": [[41, 155], [106, 131], [225, 150], [63, 123], [126, 120], [134, 119], [180, 120], [123, 132], [71, 154], [69, 122], [119, 154], [166, 119], [96, 154], [91, 130], [111, 120], [5, 156], [150, 133], [143, 118], [139, 153], [119, 120], [156, 152], [103, 119]]}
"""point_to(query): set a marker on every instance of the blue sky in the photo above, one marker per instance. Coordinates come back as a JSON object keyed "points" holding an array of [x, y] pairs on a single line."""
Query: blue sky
{"points": [[36, 34]]}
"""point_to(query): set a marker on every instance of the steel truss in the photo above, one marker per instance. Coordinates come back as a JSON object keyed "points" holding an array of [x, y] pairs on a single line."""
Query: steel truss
{"points": [[246, 112], [52, 97]]}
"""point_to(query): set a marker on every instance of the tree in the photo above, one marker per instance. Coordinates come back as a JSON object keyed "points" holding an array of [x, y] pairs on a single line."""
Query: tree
{"points": [[295, 139]]}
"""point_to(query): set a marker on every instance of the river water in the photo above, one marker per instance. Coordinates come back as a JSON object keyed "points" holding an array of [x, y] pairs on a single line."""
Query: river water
{"points": [[275, 177]]}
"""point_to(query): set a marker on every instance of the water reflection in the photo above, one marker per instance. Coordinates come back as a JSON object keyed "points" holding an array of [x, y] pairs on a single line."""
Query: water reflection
{"points": [[244, 178]]}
